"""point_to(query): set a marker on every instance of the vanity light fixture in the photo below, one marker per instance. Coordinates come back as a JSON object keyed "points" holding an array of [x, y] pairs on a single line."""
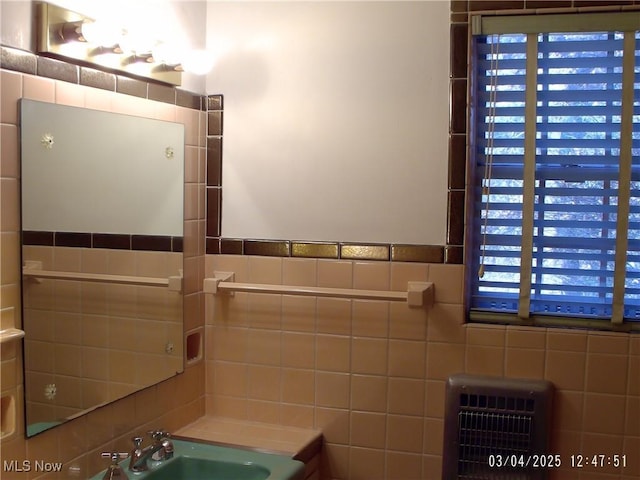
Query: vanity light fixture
{"points": [[62, 33]]}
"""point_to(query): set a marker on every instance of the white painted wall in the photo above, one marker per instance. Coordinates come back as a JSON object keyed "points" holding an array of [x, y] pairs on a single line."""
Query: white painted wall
{"points": [[335, 120]]}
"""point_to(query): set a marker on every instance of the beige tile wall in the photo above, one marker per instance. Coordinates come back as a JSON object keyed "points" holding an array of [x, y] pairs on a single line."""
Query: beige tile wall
{"points": [[372, 374], [108, 342], [172, 403]]}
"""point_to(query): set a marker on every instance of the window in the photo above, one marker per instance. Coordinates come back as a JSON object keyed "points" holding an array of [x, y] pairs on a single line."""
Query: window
{"points": [[555, 148]]}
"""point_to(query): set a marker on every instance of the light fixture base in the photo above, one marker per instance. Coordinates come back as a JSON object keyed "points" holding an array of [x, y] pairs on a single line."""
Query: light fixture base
{"points": [[50, 23]]}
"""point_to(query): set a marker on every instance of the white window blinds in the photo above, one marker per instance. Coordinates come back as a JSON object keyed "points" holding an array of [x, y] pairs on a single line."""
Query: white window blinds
{"points": [[556, 149]]}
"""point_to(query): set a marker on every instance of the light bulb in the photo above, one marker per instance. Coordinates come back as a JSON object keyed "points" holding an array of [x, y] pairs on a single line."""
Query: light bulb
{"points": [[167, 54], [100, 33], [198, 62]]}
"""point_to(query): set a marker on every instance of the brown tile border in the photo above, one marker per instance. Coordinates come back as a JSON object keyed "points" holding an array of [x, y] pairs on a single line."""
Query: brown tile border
{"points": [[103, 240], [333, 250], [26, 62]]}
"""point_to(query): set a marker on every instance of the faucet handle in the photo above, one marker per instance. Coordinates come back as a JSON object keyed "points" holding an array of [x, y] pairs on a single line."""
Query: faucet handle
{"points": [[137, 441], [114, 456], [114, 470], [159, 434]]}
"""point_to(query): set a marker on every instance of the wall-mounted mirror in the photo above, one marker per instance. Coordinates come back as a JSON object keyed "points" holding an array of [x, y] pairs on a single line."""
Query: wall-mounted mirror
{"points": [[102, 230]]}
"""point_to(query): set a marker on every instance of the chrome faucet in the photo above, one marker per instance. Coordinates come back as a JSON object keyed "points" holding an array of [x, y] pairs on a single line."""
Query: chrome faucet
{"points": [[161, 449]]}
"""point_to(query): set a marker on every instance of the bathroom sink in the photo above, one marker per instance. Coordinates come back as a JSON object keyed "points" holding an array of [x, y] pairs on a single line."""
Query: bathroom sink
{"points": [[188, 468], [199, 460]]}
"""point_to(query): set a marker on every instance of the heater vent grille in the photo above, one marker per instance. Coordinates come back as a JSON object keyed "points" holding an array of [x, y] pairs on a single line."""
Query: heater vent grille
{"points": [[490, 417]]}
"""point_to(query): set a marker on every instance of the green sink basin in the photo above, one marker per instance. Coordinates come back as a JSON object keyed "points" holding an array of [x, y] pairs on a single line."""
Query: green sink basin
{"points": [[195, 460], [189, 468]]}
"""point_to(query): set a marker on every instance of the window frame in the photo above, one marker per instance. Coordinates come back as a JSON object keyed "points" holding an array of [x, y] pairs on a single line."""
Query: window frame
{"points": [[490, 24]]}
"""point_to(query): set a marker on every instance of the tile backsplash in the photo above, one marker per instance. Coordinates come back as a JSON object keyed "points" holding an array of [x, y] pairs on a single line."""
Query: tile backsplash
{"points": [[172, 403]]}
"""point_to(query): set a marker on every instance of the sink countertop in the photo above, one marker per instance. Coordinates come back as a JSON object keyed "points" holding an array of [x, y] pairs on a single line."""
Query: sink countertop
{"points": [[299, 443]]}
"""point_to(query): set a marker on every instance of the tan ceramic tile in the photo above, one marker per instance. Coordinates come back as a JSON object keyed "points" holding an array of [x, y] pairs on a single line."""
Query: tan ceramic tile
{"points": [[11, 91], [301, 416], [566, 340], [334, 424], [404, 465], [404, 272], [608, 342], [526, 337], [370, 318], [446, 324], [10, 249], [39, 88], [369, 355], [486, 335], [68, 295], [333, 316], [93, 260], [298, 386], [228, 343], [298, 313], [98, 99], [68, 327], [70, 94], [444, 360], [632, 445], [365, 463], [164, 111], [606, 374], [333, 353], [433, 433], [633, 383], [566, 370], [604, 413], [231, 407], [10, 194], [406, 396], [9, 153], [332, 389], [369, 393], [407, 322], [230, 379], [448, 280], [265, 311], [432, 466], [191, 164], [298, 350], [568, 410], [335, 273], [264, 347], [371, 275], [265, 270], [368, 429], [485, 360], [190, 119], [94, 298], [405, 433], [191, 201], [299, 271], [524, 363], [264, 383], [121, 262], [434, 398], [263, 411], [407, 358], [632, 420]]}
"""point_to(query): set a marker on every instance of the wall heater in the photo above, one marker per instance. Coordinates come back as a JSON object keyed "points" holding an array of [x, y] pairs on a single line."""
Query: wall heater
{"points": [[496, 428]]}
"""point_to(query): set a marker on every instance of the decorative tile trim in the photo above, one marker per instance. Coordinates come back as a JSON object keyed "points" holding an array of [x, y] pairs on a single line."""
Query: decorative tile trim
{"points": [[158, 243], [334, 250], [315, 250], [364, 252], [26, 62]]}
